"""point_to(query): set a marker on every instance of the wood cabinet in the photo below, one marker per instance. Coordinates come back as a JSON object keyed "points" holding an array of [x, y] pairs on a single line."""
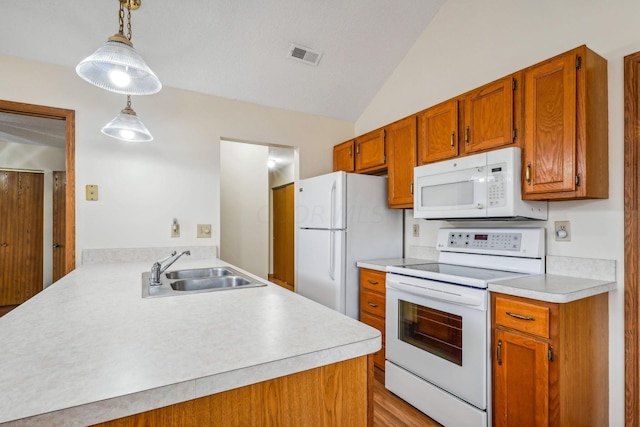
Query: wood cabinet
{"points": [[371, 156], [490, 115], [372, 306], [565, 151], [340, 394], [550, 362], [438, 132], [402, 146], [343, 157]]}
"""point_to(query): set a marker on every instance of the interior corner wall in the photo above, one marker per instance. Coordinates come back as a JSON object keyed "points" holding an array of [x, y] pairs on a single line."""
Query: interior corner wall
{"points": [[470, 43], [144, 185], [244, 206]]}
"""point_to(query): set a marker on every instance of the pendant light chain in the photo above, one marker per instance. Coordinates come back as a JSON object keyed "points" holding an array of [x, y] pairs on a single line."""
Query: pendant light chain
{"points": [[128, 21], [121, 19]]}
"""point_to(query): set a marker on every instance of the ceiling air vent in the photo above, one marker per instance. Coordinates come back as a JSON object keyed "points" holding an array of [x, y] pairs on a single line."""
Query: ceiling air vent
{"points": [[304, 54]]}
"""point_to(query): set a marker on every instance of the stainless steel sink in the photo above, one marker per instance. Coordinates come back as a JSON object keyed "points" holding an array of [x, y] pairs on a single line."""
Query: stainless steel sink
{"points": [[209, 283], [199, 280], [199, 272]]}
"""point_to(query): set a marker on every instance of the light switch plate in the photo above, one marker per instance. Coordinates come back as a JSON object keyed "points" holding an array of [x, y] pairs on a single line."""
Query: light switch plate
{"points": [[92, 192], [204, 231]]}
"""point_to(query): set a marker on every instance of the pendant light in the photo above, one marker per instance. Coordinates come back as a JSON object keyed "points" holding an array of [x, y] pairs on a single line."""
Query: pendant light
{"points": [[116, 66], [127, 126]]}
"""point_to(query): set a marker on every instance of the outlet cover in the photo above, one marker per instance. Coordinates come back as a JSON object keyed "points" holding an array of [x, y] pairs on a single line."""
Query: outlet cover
{"points": [[416, 230], [562, 231], [92, 192], [204, 231]]}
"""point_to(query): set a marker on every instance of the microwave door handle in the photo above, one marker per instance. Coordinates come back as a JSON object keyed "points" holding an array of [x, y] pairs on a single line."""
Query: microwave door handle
{"points": [[331, 255]]}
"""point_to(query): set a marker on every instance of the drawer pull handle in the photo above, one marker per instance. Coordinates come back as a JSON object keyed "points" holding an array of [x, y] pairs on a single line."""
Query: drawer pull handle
{"points": [[520, 316], [372, 304], [373, 282], [499, 352]]}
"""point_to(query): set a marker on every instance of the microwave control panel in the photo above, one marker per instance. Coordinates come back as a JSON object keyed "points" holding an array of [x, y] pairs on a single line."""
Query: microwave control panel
{"points": [[496, 186]]}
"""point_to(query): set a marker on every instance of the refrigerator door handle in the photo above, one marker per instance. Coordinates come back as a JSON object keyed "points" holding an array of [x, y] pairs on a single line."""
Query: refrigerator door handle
{"points": [[332, 208], [331, 255]]}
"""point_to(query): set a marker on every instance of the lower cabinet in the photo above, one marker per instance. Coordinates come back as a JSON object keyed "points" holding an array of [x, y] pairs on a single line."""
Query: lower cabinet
{"points": [[372, 306], [550, 362]]}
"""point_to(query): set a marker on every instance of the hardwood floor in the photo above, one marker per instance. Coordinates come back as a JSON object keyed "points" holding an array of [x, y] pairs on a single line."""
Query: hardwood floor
{"points": [[390, 410]]}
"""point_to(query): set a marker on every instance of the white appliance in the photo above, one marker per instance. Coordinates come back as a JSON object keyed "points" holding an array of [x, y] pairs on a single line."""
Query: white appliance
{"points": [[437, 325], [342, 218], [481, 186]]}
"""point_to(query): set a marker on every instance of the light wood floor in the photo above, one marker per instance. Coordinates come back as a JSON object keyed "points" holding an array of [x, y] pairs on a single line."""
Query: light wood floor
{"points": [[390, 410]]}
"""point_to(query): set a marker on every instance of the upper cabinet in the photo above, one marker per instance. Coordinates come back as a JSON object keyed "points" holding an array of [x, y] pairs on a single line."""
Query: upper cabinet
{"points": [[565, 153], [401, 145], [343, 157], [490, 115], [438, 132], [371, 156]]}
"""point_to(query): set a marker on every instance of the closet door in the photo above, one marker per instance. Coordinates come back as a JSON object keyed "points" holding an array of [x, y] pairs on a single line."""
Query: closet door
{"points": [[21, 233]]}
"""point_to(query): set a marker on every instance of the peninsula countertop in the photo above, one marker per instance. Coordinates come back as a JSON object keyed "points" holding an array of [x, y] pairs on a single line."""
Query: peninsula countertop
{"points": [[89, 348]]}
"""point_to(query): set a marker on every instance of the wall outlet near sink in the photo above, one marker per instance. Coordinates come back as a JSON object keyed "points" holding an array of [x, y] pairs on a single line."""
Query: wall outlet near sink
{"points": [[204, 231]]}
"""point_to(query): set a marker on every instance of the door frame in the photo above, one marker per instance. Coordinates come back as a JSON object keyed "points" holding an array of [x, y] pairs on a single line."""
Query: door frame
{"points": [[69, 117], [631, 238]]}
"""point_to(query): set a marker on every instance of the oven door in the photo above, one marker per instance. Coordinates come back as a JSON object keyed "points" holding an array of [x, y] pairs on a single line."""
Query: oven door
{"points": [[438, 332]]}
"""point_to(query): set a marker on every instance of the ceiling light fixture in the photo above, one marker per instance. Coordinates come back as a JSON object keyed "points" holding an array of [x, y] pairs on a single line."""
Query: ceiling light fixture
{"points": [[271, 163], [127, 126], [117, 66]]}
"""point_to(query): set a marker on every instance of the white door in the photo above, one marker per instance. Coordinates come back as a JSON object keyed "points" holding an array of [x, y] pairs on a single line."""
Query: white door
{"points": [[320, 201], [320, 270]]}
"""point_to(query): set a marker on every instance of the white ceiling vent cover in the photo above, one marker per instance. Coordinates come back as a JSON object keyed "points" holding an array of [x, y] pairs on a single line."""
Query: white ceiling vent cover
{"points": [[304, 54]]}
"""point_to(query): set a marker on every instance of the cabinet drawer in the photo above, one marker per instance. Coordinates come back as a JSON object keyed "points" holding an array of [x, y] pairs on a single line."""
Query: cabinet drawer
{"points": [[372, 302], [373, 280], [523, 316], [378, 323]]}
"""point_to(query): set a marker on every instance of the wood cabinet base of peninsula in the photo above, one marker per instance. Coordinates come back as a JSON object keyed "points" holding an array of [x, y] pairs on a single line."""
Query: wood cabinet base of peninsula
{"points": [[340, 394]]}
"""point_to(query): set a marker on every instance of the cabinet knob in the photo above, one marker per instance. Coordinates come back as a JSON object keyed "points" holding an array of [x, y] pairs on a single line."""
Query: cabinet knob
{"points": [[5, 244]]}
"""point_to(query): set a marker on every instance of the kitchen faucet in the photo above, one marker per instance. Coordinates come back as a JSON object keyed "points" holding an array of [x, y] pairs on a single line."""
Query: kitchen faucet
{"points": [[157, 269]]}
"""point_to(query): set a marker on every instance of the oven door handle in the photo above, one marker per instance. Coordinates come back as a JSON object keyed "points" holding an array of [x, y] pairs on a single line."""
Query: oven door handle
{"points": [[438, 294]]}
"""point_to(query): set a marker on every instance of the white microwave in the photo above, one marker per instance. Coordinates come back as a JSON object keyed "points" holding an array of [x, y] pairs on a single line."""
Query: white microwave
{"points": [[480, 186]]}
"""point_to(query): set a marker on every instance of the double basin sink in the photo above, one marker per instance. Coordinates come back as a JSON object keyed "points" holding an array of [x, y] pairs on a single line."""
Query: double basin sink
{"points": [[198, 280]]}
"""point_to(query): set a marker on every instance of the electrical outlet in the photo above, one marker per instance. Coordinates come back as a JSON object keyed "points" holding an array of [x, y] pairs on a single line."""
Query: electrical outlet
{"points": [[175, 228], [563, 231], [416, 230], [204, 231]]}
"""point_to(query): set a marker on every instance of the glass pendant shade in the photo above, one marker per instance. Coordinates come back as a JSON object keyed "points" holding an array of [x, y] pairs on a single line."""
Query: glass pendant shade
{"points": [[126, 126], [117, 67]]}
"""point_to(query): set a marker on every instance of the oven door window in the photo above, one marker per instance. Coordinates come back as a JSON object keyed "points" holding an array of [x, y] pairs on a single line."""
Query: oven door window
{"points": [[434, 331]]}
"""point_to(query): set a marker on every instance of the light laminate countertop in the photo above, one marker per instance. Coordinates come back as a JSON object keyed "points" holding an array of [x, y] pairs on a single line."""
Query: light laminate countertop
{"points": [[89, 348]]}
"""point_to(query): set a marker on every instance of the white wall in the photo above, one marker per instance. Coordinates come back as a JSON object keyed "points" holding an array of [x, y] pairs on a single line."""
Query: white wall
{"points": [[244, 206], [470, 43], [40, 158], [143, 186]]}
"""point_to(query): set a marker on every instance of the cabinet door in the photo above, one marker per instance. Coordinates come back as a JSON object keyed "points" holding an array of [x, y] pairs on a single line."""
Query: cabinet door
{"points": [[550, 126], [343, 157], [370, 152], [521, 381], [437, 132], [401, 143], [488, 113]]}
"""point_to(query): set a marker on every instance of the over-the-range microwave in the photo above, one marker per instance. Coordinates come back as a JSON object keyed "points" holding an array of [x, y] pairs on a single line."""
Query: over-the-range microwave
{"points": [[480, 186]]}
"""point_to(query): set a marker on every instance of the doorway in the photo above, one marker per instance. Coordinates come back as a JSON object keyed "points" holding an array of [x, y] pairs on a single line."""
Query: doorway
{"points": [[21, 125]]}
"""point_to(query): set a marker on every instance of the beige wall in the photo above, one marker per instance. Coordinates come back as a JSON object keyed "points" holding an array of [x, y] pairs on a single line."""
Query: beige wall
{"points": [[470, 43], [143, 186]]}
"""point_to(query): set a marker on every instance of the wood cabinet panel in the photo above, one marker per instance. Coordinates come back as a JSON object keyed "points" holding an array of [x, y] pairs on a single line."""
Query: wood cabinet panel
{"points": [[371, 155], [553, 380], [343, 159], [340, 394], [489, 116], [402, 148], [373, 306], [437, 132], [565, 128], [523, 316]]}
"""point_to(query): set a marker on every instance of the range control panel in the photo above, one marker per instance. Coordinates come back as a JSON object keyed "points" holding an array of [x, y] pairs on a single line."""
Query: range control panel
{"points": [[519, 242], [497, 241]]}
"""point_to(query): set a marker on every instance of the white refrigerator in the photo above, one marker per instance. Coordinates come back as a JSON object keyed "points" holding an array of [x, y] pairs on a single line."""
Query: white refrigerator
{"points": [[342, 218]]}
